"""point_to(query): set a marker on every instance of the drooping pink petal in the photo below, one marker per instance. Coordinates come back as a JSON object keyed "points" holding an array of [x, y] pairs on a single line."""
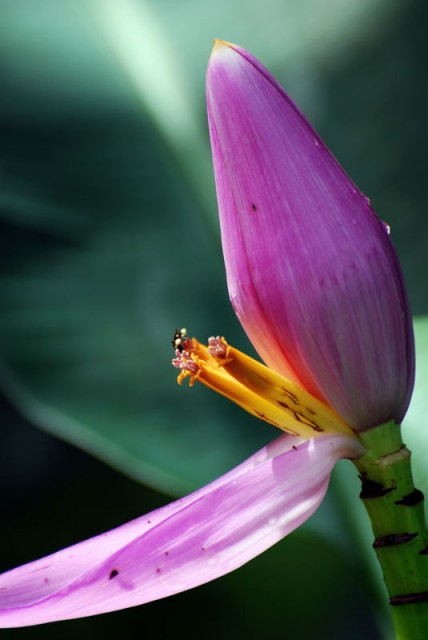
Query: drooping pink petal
{"points": [[187, 543], [311, 270]]}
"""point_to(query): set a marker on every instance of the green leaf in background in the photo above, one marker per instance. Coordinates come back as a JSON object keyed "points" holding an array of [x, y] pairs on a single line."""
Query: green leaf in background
{"points": [[88, 312]]}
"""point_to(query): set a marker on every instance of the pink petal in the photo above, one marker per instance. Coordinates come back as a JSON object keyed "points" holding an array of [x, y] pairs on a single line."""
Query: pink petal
{"points": [[312, 273], [182, 545]]}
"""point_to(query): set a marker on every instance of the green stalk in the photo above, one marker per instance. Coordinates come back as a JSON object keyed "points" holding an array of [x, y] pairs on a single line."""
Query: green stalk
{"points": [[396, 511]]}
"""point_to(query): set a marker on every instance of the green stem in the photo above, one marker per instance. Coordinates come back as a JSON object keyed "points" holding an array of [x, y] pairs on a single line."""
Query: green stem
{"points": [[396, 511]]}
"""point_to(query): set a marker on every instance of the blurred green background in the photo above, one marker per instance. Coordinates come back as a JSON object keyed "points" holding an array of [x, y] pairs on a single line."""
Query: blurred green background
{"points": [[109, 241]]}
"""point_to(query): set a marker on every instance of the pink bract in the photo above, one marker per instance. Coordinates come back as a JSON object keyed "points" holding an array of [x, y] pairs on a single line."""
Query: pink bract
{"points": [[311, 270], [187, 543]]}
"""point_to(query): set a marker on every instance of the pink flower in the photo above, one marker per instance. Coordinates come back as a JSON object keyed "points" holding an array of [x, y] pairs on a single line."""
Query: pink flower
{"points": [[317, 286]]}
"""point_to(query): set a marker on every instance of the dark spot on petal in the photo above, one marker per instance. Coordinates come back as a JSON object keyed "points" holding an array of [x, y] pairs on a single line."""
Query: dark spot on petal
{"points": [[113, 574], [158, 570], [254, 206], [166, 553], [294, 447]]}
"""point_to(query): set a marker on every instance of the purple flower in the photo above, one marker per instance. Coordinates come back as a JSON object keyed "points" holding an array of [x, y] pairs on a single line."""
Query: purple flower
{"points": [[312, 274], [316, 284]]}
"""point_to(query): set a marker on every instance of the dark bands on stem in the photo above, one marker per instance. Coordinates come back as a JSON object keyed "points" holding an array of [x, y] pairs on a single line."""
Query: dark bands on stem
{"points": [[371, 490], [412, 499], [392, 539], [409, 598]]}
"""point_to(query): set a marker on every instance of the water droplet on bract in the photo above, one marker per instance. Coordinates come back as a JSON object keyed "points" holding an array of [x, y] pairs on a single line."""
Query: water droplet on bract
{"points": [[367, 200], [386, 227]]}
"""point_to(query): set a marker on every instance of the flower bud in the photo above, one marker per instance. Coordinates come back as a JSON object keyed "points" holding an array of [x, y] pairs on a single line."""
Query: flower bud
{"points": [[312, 273]]}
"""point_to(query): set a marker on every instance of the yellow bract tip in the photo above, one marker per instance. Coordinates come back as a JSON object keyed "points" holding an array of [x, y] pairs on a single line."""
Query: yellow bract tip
{"points": [[221, 44]]}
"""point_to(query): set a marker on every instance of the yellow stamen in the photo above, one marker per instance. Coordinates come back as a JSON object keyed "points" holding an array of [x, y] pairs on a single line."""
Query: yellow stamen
{"points": [[258, 389]]}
